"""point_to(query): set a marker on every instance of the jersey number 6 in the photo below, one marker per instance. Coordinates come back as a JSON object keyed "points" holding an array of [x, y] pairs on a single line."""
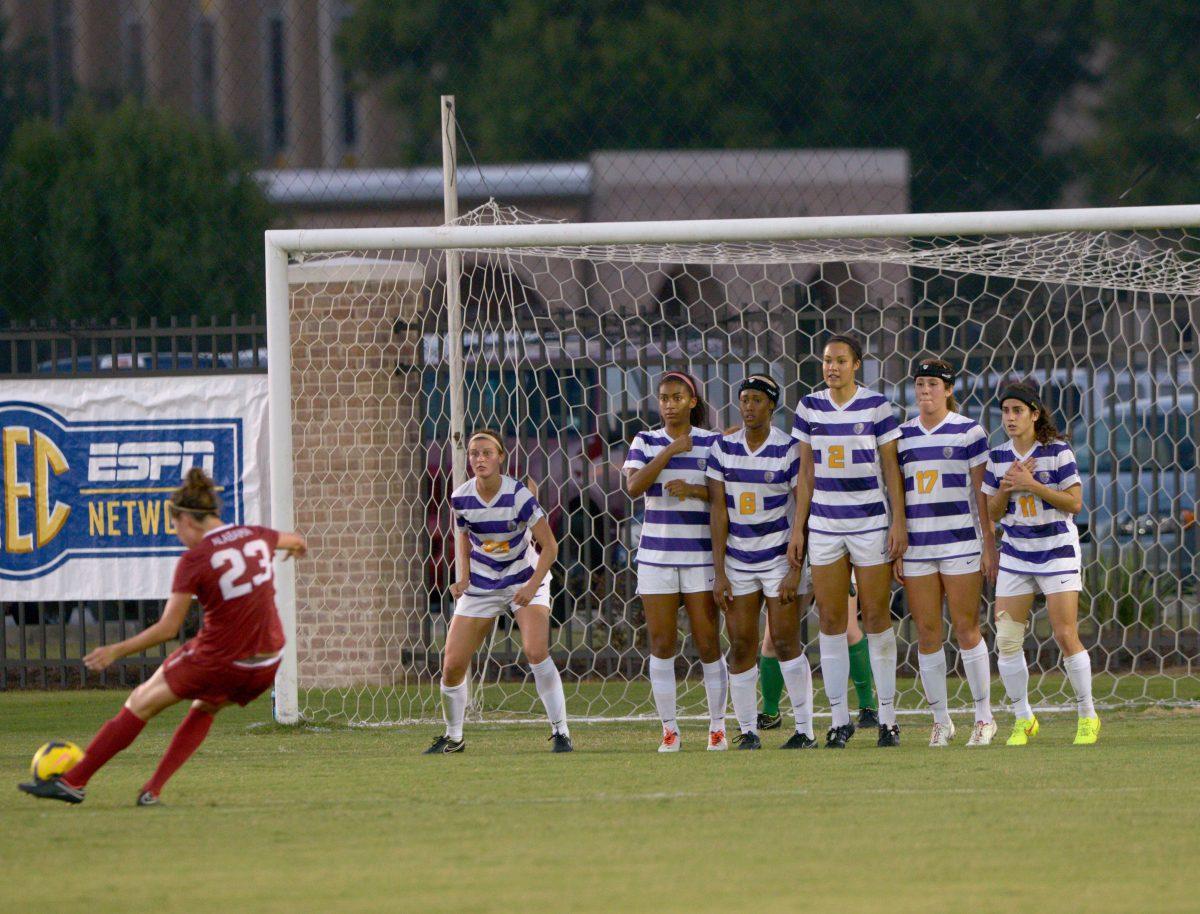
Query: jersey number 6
{"points": [[234, 563]]}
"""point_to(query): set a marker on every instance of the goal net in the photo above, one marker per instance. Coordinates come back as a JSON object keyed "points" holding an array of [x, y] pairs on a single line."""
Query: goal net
{"points": [[564, 330]]}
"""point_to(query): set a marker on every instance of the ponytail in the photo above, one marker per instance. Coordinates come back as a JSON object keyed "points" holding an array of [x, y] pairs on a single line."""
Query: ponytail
{"points": [[197, 496]]}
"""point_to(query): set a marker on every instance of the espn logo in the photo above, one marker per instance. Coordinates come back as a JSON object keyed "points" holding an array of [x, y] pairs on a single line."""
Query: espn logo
{"points": [[142, 461]]}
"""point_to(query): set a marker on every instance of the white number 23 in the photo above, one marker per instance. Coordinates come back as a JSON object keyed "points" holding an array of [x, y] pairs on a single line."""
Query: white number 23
{"points": [[234, 563]]}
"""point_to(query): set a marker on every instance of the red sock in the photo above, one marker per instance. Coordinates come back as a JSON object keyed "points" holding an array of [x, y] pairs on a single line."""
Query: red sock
{"points": [[114, 736], [187, 739]]}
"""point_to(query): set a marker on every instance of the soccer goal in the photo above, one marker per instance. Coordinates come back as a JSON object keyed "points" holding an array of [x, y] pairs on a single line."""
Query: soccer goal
{"points": [[387, 344]]}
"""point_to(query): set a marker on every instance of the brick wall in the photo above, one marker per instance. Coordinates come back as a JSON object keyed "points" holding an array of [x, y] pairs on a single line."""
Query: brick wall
{"points": [[359, 465]]}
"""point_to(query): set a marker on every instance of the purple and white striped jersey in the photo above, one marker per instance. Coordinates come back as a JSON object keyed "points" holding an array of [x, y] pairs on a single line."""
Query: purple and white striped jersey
{"points": [[939, 500], [675, 532], [1038, 538], [848, 494], [758, 495], [501, 554]]}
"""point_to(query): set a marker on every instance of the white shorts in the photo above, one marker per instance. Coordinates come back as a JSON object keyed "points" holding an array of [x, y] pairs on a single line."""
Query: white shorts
{"points": [[767, 579], [963, 564], [864, 549], [491, 605], [1015, 584], [655, 579]]}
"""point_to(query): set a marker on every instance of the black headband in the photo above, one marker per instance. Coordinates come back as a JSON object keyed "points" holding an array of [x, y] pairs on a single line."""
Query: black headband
{"points": [[762, 384], [934, 370], [1022, 392]]}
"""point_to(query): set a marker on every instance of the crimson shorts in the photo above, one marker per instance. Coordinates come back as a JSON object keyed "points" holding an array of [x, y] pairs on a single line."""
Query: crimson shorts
{"points": [[200, 680]]}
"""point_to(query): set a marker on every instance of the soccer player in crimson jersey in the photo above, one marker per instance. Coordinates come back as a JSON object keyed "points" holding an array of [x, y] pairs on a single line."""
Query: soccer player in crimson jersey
{"points": [[229, 569]]}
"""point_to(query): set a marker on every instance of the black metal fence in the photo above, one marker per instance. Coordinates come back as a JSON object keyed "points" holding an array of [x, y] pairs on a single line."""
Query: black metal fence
{"points": [[44, 642]]}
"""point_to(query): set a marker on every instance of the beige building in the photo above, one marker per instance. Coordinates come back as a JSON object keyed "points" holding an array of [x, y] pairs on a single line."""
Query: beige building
{"points": [[264, 69]]}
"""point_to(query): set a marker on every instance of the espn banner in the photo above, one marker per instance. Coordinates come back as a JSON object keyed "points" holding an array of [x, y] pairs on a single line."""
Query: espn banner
{"points": [[89, 466]]}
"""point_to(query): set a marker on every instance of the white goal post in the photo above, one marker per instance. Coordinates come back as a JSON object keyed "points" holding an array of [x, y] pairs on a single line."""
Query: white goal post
{"points": [[1107, 303]]}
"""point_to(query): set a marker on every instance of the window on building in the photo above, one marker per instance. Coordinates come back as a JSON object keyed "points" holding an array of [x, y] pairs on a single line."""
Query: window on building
{"points": [[276, 84], [204, 51]]}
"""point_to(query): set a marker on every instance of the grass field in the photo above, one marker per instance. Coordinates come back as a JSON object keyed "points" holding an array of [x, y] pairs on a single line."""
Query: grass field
{"points": [[268, 819]]}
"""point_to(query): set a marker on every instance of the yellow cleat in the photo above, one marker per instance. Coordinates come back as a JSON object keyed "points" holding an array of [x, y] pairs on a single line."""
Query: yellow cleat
{"points": [[1088, 731], [1024, 729]]}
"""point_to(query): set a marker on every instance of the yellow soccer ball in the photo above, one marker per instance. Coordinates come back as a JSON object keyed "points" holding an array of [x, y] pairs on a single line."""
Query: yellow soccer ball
{"points": [[55, 758]]}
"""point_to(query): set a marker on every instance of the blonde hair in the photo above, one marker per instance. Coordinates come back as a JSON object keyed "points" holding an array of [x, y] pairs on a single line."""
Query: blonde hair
{"points": [[490, 435], [197, 496]]}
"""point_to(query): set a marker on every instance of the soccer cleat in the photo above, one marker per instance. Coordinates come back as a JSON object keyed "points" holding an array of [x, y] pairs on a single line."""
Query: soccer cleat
{"points": [[770, 721], [717, 741], [942, 735], [800, 741], [562, 742], [867, 718], [888, 736], [748, 740], [837, 737], [444, 745], [1087, 732], [53, 789], [146, 798], [1024, 729], [670, 741], [982, 733]]}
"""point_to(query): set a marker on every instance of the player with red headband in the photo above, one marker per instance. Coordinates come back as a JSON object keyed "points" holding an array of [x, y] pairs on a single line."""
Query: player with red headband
{"points": [[674, 559], [229, 568]]}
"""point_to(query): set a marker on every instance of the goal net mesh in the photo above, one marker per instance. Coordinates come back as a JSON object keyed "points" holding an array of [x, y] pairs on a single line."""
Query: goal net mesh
{"points": [[561, 349]]}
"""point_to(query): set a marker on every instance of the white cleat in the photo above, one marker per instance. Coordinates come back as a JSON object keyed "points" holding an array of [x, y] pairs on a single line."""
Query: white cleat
{"points": [[942, 735], [982, 734], [670, 741], [717, 741]]}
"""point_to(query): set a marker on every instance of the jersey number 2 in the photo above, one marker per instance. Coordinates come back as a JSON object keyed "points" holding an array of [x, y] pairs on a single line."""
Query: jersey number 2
{"points": [[234, 563], [837, 457]]}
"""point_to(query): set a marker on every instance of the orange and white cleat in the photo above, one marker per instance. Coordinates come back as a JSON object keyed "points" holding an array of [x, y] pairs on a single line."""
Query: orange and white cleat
{"points": [[717, 741], [670, 741]]}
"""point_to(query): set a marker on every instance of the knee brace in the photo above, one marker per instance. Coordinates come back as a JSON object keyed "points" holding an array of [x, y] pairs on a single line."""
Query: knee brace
{"points": [[1010, 635]]}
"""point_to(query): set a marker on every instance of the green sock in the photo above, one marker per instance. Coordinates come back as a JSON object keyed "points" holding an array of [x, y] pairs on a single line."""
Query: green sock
{"points": [[860, 672], [770, 677]]}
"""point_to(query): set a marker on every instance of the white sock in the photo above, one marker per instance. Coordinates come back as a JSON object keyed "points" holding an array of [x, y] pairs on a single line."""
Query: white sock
{"points": [[979, 678], [662, 684], [716, 689], [933, 678], [835, 671], [454, 708], [882, 648], [550, 691], [1079, 671], [797, 675], [743, 689], [1015, 676]]}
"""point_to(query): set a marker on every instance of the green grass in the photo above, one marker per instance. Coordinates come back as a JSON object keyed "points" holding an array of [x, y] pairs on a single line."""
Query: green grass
{"points": [[335, 819]]}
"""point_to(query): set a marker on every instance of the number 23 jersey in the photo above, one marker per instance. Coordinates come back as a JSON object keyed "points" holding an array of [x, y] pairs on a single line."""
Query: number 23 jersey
{"points": [[1038, 538], [231, 572]]}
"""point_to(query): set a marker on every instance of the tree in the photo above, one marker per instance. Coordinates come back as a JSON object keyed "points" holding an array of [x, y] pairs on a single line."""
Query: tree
{"points": [[1146, 149], [969, 89], [131, 213]]}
